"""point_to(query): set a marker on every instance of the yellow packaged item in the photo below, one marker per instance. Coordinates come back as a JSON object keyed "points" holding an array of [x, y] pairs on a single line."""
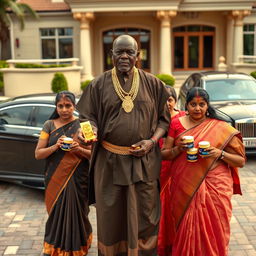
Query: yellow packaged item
{"points": [[87, 130]]}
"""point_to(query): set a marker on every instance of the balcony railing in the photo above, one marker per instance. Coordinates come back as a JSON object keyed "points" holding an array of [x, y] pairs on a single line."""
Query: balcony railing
{"points": [[247, 59], [72, 61]]}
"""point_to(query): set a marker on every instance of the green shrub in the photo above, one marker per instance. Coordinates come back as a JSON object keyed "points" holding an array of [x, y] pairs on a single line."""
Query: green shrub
{"points": [[84, 84], [253, 74], [1, 82], [31, 65], [1, 86], [167, 79], [3, 64], [59, 83]]}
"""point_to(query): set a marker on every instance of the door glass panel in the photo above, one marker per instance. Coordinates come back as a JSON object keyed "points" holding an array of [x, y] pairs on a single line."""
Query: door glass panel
{"points": [[179, 29], [179, 52], [144, 51], [107, 41], [207, 28], [207, 57], [194, 28], [193, 51], [249, 44]]}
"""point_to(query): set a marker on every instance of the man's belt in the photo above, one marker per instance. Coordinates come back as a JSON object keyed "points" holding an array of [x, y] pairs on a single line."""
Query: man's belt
{"points": [[120, 150]]}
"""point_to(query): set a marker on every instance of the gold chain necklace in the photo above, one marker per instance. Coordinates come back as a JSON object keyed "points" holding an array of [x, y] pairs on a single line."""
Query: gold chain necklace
{"points": [[126, 97]]}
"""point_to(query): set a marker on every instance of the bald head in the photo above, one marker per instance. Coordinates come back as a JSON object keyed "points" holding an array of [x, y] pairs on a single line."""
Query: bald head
{"points": [[125, 39], [125, 54]]}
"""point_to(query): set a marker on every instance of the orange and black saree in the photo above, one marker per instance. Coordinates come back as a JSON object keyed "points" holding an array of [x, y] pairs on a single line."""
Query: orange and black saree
{"points": [[198, 205], [68, 230]]}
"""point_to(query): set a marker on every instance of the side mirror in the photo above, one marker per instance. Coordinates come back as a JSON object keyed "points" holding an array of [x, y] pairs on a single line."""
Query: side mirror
{"points": [[3, 121]]}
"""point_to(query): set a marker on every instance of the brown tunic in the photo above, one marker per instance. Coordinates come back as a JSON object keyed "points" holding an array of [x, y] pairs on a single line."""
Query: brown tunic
{"points": [[101, 105], [127, 197]]}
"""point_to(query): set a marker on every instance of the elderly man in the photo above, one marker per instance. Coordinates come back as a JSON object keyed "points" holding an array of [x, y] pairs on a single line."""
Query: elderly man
{"points": [[127, 109]]}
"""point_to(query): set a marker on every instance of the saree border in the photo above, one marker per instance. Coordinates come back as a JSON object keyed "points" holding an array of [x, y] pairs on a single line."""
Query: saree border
{"points": [[233, 133]]}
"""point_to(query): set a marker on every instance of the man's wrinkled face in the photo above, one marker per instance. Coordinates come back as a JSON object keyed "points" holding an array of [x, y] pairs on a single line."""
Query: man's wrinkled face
{"points": [[124, 55]]}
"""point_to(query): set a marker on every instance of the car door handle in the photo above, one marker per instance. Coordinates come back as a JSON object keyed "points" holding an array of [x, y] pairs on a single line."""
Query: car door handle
{"points": [[36, 135]]}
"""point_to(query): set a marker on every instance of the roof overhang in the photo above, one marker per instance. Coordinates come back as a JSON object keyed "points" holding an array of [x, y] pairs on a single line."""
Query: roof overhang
{"points": [[150, 5]]}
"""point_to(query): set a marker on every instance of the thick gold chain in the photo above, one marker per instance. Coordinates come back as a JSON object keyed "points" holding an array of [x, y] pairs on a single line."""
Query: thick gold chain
{"points": [[134, 88], [126, 97]]}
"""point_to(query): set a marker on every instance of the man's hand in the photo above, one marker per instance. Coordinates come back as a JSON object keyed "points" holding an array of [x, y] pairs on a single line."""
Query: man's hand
{"points": [[141, 148], [83, 139]]}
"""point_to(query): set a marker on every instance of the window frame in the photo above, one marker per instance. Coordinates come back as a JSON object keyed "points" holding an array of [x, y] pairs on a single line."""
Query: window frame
{"points": [[56, 37], [254, 37]]}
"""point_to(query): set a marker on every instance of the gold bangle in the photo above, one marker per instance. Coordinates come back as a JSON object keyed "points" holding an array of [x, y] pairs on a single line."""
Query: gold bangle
{"points": [[222, 155], [52, 149]]}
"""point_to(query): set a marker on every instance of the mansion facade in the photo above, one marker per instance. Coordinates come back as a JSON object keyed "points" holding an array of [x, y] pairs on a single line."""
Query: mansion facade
{"points": [[174, 37]]}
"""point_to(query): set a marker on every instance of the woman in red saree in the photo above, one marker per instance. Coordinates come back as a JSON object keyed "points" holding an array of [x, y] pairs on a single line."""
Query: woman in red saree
{"points": [[174, 113], [68, 230], [199, 202], [165, 172]]}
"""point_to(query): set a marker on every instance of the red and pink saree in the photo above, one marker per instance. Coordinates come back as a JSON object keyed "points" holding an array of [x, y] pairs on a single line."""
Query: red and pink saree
{"points": [[197, 197]]}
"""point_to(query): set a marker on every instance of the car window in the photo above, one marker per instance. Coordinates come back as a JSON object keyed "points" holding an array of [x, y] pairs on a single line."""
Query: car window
{"points": [[15, 115], [43, 114], [231, 89]]}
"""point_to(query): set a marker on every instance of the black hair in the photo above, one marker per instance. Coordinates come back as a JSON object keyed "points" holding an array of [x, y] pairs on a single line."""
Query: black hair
{"points": [[59, 96], [197, 91], [172, 92]]}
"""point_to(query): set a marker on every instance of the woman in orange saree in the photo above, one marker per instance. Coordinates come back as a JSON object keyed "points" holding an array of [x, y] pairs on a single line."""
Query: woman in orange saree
{"points": [[68, 230], [199, 202]]}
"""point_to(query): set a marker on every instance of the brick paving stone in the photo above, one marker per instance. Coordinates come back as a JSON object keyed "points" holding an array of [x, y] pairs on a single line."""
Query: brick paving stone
{"points": [[25, 207], [11, 250], [26, 244]]}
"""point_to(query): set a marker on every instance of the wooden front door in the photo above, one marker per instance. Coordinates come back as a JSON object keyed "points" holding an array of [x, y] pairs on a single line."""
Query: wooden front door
{"points": [[193, 48]]}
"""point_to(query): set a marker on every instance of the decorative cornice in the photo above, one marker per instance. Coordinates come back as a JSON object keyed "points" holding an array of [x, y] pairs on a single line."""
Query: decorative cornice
{"points": [[238, 16], [85, 18], [165, 17]]}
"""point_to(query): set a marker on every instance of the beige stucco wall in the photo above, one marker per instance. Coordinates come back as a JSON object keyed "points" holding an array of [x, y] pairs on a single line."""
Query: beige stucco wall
{"points": [[30, 38], [19, 81]]}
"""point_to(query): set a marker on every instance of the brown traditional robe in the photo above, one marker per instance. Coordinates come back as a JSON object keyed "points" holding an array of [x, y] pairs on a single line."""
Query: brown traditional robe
{"points": [[126, 187]]}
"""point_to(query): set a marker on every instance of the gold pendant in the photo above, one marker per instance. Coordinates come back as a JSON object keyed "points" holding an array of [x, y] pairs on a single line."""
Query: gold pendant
{"points": [[127, 104]]}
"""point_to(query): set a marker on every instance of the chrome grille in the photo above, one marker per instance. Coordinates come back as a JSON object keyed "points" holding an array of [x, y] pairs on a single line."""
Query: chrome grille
{"points": [[246, 129]]}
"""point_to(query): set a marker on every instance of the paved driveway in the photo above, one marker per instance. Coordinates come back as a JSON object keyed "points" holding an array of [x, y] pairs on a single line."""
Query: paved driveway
{"points": [[23, 215]]}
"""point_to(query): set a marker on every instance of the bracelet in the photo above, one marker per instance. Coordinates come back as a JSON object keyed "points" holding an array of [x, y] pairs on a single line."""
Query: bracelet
{"points": [[154, 139], [52, 148], [222, 154]]}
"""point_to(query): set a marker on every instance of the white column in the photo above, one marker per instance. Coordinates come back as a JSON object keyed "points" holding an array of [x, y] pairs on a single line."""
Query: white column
{"points": [[238, 34], [165, 41], [229, 40], [85, 43]]}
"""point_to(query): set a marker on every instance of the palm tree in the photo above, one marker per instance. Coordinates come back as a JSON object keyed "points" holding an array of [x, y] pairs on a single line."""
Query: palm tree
{"points": [[20, 10]]}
